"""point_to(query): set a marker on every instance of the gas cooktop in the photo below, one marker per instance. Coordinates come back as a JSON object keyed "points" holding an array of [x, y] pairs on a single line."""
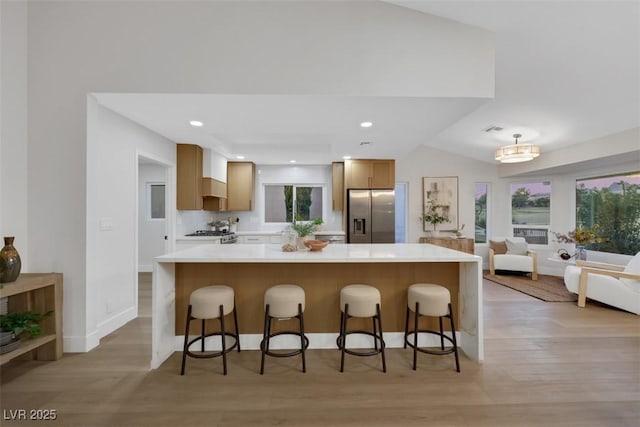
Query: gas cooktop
{"points": [[209, 233]]}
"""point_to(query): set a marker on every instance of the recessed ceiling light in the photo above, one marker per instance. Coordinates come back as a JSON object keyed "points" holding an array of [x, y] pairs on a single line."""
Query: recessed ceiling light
{"points": [[346, 157], [366, 124], [240, 157], [292, 161], [196, 123]]}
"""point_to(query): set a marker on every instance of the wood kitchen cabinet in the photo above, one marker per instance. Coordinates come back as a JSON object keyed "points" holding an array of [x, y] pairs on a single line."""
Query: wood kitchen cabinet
{"points": [[189, 177], [215, 195], [41, 293], [240, 185], [337, 186], [462, 245], [370, 173]]}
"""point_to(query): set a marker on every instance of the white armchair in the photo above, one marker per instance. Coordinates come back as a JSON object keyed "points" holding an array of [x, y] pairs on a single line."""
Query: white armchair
{"points": [[615, 285], [512, 254]]}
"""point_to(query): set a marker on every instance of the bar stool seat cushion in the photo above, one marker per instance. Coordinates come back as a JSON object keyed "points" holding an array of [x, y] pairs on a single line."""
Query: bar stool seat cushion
{"points": [[283, 300], [433, 299], [362, 300], [205, 302]]}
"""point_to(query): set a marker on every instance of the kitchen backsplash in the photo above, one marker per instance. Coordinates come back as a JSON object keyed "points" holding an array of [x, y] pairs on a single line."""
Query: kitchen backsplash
{"points": [[189, 221]]}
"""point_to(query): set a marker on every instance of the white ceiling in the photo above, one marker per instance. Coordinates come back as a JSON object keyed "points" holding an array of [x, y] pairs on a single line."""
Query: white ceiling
{"points": [[566, 72]]}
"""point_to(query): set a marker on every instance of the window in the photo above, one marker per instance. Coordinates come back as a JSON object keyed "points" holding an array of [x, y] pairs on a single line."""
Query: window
{"points": [[481, 191], [283, 203], [155, 201], [612, 203], [531, 211], [401, 212]]}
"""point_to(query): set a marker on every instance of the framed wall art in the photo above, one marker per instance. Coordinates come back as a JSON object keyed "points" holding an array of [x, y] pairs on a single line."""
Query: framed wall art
{"points": [[440, 203]]}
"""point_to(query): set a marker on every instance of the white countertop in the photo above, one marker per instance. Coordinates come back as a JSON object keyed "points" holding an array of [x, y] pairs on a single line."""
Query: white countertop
{"points": [[260, 233], [361, 253], [198, 238]]}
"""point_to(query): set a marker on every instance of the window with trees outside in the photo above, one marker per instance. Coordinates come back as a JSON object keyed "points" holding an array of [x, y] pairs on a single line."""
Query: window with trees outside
{"points": [[531, 211], [612, 205], [481, 212], [284, 203]]}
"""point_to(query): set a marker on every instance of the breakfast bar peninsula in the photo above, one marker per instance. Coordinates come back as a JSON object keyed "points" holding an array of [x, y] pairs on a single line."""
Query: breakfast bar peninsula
{"points": [[251, 269]]}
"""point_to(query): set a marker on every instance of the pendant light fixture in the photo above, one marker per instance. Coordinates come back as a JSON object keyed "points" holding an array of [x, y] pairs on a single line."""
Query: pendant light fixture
{"points": [[516, 153]]}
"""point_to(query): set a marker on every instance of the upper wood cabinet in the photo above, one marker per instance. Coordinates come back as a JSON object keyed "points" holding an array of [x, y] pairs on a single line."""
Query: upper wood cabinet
{"points": [[213, 188], [337, 186], [368, 173], [240, 186], [189, 177], [215, 195]]}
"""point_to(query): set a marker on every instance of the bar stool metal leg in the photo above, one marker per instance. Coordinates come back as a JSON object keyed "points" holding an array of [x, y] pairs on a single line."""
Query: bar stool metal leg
{"points": [[455, 341], [235, 321], [302, 346], [406, 328], [343, 336], [224, 347], [265, 337], [379, 316], [186, 341]]}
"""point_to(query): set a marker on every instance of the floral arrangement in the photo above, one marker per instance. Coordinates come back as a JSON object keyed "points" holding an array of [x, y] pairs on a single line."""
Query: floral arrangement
{"points": [[431, 214], [306, 228], [580, 236]]}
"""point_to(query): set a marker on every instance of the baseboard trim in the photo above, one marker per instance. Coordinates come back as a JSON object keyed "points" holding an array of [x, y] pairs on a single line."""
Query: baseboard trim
{"points": [[80, 344], [116, 321]]}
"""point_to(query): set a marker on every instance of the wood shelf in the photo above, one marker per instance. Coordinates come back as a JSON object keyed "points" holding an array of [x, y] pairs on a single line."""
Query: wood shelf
{"points": [[41, 293], [462, 244], [26, 346]]}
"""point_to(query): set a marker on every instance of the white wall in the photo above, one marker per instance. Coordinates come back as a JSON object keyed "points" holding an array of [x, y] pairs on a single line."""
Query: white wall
{"points": [[425, 162], [254, 220], [114, 145], [151, 232], [77, 48], [13, 127]]}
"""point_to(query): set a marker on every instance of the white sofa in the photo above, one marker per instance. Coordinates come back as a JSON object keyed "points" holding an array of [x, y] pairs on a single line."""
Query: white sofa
{"points": [[615, 285], [512, 254]]}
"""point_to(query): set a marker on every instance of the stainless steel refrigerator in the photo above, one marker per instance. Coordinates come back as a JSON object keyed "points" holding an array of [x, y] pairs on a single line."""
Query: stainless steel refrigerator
{"points": [[371, 216]]}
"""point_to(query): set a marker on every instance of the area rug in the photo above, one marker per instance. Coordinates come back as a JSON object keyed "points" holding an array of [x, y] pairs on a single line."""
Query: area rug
{"points": [[546, 288]]}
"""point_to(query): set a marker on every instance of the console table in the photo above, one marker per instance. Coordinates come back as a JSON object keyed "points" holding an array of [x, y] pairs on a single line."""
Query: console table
{"points": [[462, 245], [41, 293]]}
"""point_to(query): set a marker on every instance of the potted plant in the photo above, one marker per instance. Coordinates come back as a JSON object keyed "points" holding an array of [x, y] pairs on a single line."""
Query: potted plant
{"points": [[22, 324], [304, 229], [433, 216], [580, 237]]}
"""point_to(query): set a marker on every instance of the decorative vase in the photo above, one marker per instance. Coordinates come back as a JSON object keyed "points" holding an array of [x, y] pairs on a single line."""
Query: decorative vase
{"points": [[435, 233], [581, 253], [10, 263], [300, 242]]}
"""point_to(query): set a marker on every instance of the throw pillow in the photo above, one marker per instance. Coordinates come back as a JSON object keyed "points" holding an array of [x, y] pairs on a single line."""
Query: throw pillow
{"points": [[516, 247], [499, 247]]}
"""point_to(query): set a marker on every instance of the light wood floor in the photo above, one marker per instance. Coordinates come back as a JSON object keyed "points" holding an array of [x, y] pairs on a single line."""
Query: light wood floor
{"points": [[547, 364]]}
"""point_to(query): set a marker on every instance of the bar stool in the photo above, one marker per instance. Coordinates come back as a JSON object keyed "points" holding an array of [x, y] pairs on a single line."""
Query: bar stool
{"points": [[210, 302], [426, 299], [283, 302], [360, 301]]}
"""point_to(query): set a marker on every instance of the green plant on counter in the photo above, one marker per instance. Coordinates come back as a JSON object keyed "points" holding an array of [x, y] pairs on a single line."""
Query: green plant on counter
{"points": [[27, 323], [306, 228]]}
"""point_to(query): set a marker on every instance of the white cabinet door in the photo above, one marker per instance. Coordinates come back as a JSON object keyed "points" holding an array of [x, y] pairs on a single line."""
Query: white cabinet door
{"points": [[188, 244], [254, 239]]}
